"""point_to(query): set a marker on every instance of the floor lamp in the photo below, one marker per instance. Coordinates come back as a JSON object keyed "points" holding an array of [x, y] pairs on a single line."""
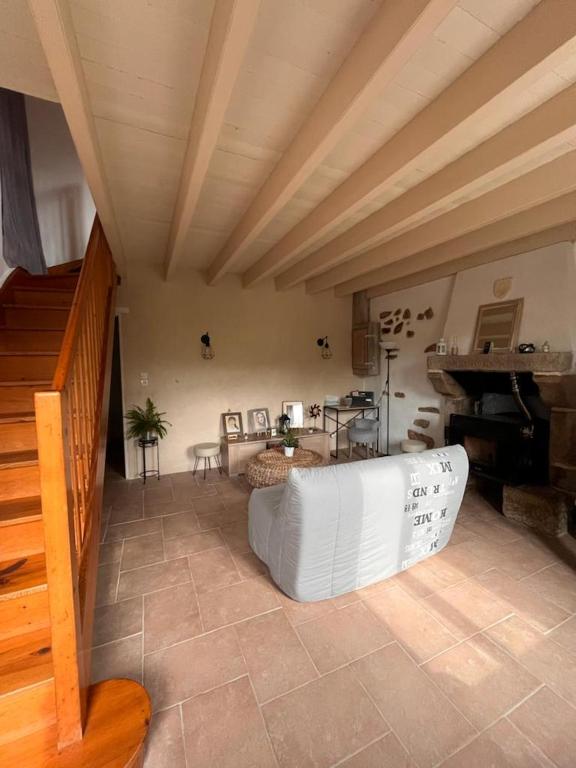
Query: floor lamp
{"points": [[391, 353]]}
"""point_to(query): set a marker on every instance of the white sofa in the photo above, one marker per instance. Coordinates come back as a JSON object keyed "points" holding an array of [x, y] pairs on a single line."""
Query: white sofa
{"points": [[331, 530]]}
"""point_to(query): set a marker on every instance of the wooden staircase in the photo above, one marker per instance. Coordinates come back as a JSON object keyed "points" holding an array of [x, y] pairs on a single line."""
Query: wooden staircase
{"points": [[53, 401]]}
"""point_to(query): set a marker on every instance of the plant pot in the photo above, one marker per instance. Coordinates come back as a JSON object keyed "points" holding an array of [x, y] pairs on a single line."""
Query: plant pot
{"points": [[289, 451], [150, 434]]}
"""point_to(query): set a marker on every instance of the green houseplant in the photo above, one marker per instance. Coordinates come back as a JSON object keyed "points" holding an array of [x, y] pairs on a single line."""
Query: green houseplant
{"points": [[290, 442], [146, 423]]}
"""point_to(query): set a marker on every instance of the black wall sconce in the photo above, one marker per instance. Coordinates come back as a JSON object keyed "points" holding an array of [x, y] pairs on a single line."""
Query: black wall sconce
{"points": [[207, 349], [326, 351]]}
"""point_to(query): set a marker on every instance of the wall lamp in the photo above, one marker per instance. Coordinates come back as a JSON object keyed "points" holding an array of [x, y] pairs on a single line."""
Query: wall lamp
{"points": [[207, 349], [326, 351]]}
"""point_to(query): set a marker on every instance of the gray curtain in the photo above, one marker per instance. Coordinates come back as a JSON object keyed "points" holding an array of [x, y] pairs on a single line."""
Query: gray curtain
{"points": [[22, 246]]}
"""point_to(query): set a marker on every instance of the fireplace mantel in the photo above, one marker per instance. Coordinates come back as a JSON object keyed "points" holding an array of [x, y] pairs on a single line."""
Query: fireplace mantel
{"points": [[536, 362]]}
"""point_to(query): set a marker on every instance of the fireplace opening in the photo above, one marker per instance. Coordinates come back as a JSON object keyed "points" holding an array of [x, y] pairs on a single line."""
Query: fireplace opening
{"points": [[506, 435]]}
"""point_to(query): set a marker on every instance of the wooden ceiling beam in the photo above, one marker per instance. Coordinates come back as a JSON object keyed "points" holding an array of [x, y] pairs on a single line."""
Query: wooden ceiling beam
{"points": [[547, 182], [391, 37], [543, 38], [551, 125], [56, 32], [553, 213], [230, 29], [410, 279]]}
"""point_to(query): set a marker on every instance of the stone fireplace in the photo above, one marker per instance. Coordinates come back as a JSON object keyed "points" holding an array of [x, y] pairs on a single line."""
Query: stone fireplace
{"points": [[526, 455]]}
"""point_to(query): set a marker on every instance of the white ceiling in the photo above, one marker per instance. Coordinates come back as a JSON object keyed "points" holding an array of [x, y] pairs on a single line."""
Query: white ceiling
{"points": [[142, 62]]}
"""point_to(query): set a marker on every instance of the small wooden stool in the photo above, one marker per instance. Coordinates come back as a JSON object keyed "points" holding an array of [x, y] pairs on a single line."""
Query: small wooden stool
{"points": [[207, 451], [412, 446]]}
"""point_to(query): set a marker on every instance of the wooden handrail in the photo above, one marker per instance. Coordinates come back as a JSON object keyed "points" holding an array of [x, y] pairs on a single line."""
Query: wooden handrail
{"points": [[71, 423]]}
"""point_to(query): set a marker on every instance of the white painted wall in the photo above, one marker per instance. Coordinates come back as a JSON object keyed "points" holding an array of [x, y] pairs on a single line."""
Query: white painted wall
{"points": [[408, 372], [65, 206], [265, 352], [545, 279]]}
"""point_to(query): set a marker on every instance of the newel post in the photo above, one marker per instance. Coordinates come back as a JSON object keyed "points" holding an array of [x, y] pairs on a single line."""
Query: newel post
{"points": [[61, 566]]}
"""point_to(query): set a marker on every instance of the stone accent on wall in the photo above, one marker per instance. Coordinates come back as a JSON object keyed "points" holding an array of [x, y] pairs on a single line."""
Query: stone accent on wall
{"points": [[400, 395], [428, 409], [542, 508], [413, 435], [422, 423], [445, 384]]}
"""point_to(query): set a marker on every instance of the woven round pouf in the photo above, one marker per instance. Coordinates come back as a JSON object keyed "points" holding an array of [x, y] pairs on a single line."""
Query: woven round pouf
{"points": [[412, 446], [271, 467]]}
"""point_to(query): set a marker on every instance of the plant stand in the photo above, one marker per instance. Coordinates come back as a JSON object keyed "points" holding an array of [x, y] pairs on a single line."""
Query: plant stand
{"points": [[150, 443]]}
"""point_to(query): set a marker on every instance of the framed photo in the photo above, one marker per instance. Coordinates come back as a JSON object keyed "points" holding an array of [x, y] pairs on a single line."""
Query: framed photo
{"points": [[294, 409], [499, 324], [258, 420], [232, 424]]}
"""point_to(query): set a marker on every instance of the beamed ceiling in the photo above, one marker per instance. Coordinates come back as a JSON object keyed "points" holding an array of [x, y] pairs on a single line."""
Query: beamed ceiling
{"points": [[340, 144]]}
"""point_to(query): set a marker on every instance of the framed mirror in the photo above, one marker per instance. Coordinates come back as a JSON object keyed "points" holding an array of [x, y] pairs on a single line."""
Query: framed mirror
{"points": [[499, 325], [294, 409]]}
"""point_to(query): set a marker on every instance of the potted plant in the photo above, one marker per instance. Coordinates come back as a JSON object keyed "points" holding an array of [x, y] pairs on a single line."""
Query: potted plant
{"points": [[290, 442], [146, 423]]}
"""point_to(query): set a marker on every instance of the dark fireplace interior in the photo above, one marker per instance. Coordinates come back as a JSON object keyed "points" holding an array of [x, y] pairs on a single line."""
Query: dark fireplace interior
{"points": [[506, 435]]}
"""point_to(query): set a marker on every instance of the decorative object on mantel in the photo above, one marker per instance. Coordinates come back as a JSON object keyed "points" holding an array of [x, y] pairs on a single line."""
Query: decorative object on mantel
{"points": [[442, 347], [546, 347], [454, 345], [289, 443], [207, 348], [258, 420], [326, 351], [284, 422], [527, 349], [314, 412], [502, 287], [498, 323], [488, 347], [232, 421]]}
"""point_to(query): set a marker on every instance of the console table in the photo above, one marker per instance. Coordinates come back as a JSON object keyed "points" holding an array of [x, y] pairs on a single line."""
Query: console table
{"points": [[332, 413], [237, 453]]}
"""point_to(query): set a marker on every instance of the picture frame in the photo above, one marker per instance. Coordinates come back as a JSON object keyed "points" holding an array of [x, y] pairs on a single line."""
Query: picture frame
{"points": [[233, 427], [258, 420], [498, 324], [294, 409]]}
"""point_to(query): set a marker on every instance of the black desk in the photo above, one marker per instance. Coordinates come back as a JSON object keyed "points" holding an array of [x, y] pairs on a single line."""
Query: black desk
{"points": [[332, 414]]}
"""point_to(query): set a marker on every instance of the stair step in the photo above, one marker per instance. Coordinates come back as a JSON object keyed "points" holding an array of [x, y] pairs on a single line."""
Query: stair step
{"points": [[18, 397], [114, 737], [36, 296], [24, 612], [25, 660], [23, 316], [19, 476], [18, 435], [21, 528], [25, 711], [49, 281], [18, 417], [27, 366], [30, 339], [20, 511], [17, 459], [22, 577]]}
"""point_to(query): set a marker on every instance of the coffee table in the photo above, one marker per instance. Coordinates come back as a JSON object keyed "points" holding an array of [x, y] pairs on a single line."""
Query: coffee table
{"points": [[271, 467]]}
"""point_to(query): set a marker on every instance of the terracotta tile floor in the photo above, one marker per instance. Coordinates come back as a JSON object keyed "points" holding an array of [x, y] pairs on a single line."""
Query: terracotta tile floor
{"points": [[468, 660]]}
